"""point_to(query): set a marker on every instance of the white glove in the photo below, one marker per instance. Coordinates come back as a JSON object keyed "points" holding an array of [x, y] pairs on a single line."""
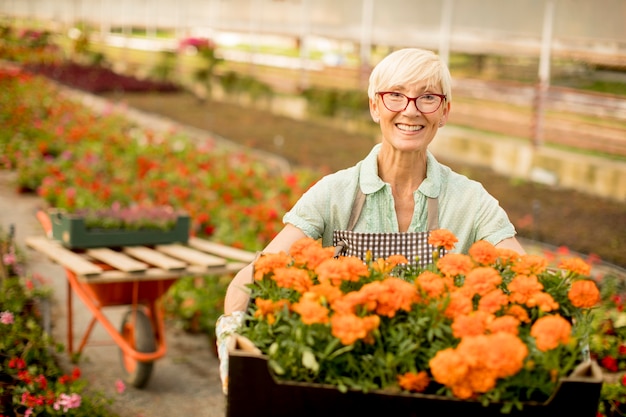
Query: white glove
{"points": [[225, 326]]}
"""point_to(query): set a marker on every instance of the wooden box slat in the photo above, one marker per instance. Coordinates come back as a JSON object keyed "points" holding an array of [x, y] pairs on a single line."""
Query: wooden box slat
{"points": [[63, 256], [190, 255], [155, 258], [117, 260], [221, 250]]}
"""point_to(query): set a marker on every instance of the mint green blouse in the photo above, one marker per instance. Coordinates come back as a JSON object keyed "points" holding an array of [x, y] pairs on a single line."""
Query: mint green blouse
{"points": [[465, 207]]}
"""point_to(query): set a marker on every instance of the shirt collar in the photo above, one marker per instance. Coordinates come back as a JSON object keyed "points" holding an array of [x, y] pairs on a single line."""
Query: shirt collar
{"points": [[370, 182]]}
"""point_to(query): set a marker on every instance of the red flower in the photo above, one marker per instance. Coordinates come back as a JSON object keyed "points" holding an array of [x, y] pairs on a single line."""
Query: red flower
{"points": [[609, 363]]}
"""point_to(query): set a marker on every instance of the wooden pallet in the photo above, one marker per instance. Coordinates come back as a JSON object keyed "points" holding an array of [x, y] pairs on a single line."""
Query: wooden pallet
{"points": [[198, 257]]}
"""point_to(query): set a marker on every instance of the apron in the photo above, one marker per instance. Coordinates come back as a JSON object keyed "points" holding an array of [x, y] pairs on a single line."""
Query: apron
{"points": [[413, 245]]}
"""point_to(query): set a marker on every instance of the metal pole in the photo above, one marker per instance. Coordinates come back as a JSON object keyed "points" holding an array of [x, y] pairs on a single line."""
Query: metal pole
{"points": [[367, 21], [304, 43], [544, 72], [446, 28]]}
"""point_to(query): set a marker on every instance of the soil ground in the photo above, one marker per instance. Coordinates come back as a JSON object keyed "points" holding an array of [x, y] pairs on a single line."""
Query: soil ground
{"points": [[580, 222]]}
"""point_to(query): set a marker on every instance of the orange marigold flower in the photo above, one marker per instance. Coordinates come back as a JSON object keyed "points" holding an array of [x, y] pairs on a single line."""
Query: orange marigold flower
{"points": [[575, 265], [550, 331], [414, 382], [530, 265], [349, 328], [396, 260], [543, 300], [507, 256], [326, 292], [310, 310], [454, 264], [390, 295], [355, 267], [442, 238], [493, 301], [483, 252], [268, 308], [481, 281], [584, 294], [471, 324], [504, 324], [433, 285], [293, 278], [309, 252], [523, 287], [519, 313], [506, 354], [333, 271], [266, 263], [448, 367], [459, 304]]}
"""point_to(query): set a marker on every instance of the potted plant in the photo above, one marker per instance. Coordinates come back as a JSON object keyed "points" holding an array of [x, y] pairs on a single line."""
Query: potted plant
{"points": [[489, 332]]}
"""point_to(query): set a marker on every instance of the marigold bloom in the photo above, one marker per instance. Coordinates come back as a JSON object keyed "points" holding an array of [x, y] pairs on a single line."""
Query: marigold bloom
{"points": [[433, 285], [309, 252], [396, 294], [519, 313], [481, 281], [584, 294], [472, 324], [550, 331], [543, 300], [268, 308], [334, 271], [507, 256], [442, 238], [454, 264], [493, 301], [506, 354], [414, 382], [266, 264], [575, 265], [355, 267], [326, 292], [310, 310], [523, 287], [505, 324], [349, 328], [459, 304], [483, 252], [448, 367], [530, 265], [293, 278]]}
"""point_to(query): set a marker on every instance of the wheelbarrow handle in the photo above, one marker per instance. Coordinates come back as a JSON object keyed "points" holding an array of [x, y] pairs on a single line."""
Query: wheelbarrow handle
{"points": [[44, 220]]}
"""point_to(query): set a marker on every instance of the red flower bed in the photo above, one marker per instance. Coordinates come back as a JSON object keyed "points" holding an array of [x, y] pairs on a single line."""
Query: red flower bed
{"points": [[98, 79]]}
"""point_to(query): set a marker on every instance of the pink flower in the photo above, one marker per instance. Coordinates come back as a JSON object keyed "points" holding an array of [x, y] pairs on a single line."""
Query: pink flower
{"points": [[67, 401], [119, 386], [6, 317], [28, 412], [9, 259]]}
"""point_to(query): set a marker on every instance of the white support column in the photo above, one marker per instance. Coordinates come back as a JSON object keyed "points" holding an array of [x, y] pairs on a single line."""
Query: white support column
{"points": [[447, 9], [544, 72]]}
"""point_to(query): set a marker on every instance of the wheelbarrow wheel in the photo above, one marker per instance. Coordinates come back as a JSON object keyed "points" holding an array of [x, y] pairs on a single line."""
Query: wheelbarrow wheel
{"points": [[140, 335]]}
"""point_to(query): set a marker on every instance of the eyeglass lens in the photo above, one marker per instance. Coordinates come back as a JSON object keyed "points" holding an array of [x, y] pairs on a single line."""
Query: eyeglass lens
{"points": [[426, 103]]}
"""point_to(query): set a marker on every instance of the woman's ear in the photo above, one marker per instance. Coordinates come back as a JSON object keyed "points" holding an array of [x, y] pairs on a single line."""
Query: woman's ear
{"points": [[445, 114], [374, 110]]}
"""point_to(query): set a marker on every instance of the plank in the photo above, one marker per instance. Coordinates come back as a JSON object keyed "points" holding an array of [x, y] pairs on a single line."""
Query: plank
{"points": [[154, 257], [64, 257], [190, 255], [222, 250], [117, 260]]}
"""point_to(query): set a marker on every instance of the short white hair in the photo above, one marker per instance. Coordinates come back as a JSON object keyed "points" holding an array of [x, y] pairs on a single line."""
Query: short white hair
{"points": [[410, 66]]}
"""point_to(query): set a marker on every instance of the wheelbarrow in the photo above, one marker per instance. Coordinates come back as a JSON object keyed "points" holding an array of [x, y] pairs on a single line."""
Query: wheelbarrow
{"points": [[134, 276]]}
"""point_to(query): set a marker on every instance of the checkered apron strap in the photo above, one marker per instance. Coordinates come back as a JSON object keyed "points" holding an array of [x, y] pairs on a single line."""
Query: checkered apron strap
{"points": [[413, 245]]}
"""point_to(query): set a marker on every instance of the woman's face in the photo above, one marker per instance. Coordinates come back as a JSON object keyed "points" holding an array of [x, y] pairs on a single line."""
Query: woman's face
{"points": [[409, 130]]}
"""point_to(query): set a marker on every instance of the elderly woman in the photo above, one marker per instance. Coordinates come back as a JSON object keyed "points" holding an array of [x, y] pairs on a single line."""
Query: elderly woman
{"points": [[388, 202]]}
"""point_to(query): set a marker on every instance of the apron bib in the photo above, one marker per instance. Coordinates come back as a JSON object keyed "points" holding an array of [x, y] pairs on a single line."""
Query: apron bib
{"points": [[413, 245]]}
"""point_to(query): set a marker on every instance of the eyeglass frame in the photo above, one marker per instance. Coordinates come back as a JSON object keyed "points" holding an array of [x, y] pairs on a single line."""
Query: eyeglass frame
{"points": [[443, 98]]}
